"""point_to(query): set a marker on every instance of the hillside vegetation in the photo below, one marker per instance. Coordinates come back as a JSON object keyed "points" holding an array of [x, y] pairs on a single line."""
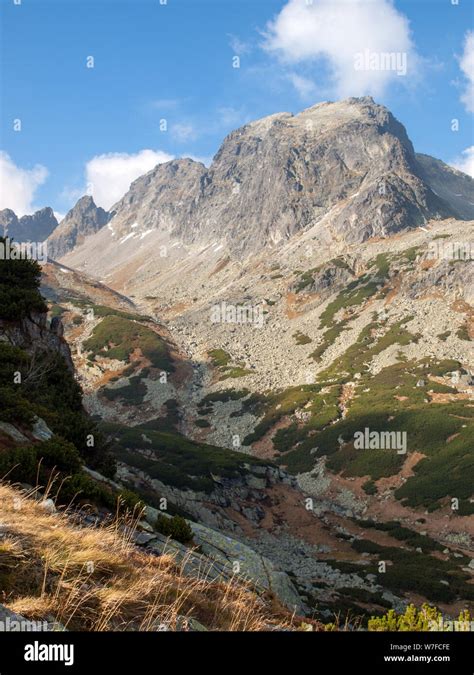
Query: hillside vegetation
{"points": [[95, 579], [38, 388]]}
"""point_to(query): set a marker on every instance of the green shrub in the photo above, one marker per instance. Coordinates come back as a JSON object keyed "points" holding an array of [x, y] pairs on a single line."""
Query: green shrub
{"points": [[463, 333], [81, 487], [413, 619], [60, 454], [176, 527], [219, 357], [369, 487], [19, 465], [301, 338], [203, 424], [223, 396], [176, 460], [116, 337]]}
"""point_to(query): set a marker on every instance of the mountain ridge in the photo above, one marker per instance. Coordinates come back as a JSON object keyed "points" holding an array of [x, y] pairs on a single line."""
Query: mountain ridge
{"points": [[35, 227], [325, 166]]}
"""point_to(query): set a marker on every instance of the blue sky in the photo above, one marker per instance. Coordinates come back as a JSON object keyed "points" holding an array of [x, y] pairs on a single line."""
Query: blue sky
{"points": [[98, 128]]}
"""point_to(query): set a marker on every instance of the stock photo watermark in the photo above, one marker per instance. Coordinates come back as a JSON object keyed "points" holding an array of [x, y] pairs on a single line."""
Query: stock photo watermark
{"points": [[246, 314], [381, 440], [368, 60], [451, 250], [29, 250]]}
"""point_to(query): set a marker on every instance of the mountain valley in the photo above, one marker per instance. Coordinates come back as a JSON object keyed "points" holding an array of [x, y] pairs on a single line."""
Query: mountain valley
{"points": [[233, 328]]}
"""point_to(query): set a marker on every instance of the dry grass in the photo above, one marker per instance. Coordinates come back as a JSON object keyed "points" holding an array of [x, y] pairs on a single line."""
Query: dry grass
{"points": [[96, 579]]}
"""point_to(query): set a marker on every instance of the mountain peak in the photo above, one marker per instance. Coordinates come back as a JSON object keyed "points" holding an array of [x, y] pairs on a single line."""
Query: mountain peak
{"points": [[346, 170], [84, 203], [85, 218], [35, 227], [86, 200]]}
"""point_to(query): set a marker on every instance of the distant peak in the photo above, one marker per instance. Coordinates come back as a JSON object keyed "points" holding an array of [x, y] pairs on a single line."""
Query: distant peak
{"points": [[86, 200], [8, 212], [365, 100], [45, 211]]}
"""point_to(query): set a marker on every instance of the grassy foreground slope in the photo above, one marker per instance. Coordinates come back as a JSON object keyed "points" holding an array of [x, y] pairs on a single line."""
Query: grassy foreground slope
{"points": [[95, 579]]}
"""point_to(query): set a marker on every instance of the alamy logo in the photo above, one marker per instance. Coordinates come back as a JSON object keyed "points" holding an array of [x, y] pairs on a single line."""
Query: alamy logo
{"points": [[10, 625], [241, 314], [26, 250], [451, 626], [381, 440], [451, 250], [50, 652], [395, 61]]}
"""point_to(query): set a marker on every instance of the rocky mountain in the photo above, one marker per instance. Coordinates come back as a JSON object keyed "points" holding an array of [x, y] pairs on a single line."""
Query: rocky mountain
{"points": [[46, 437], [84, 219], [333, 340], [36, 227], [345, 170], [451, 185], [236, 329]]}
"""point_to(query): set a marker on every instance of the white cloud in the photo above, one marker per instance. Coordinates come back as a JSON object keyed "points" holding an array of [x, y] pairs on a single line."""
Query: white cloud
{"points": [[337, 33], [465, 162], [18, 186], [109, 176], [303, 85], [70, 195], [466, 64], [228, 116], [239, 46], [183, 131]]}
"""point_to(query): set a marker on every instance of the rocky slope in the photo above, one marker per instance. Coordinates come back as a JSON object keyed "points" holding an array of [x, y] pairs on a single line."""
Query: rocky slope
{"points": [[50, 445], [294, 387], [235, 308]]}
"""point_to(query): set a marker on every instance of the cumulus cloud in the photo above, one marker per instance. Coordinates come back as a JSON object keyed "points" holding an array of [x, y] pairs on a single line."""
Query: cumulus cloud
{"points": [[18, 186], [350, 37], [303, 85], [109, 175], [466, 63], [465, 162], [183, 131], [239, 46]]}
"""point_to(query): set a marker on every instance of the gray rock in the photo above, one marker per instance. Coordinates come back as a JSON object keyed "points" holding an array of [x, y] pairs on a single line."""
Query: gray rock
{"points": [[83, 219], [241, 559], [48, 505], [41, 431], [143, 538], [190, 625], [13, 432]]}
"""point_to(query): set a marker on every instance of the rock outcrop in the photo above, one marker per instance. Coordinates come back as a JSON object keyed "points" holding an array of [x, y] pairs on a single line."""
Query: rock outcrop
{"points": [[215, 555], [84, 219], [34, 333]]}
